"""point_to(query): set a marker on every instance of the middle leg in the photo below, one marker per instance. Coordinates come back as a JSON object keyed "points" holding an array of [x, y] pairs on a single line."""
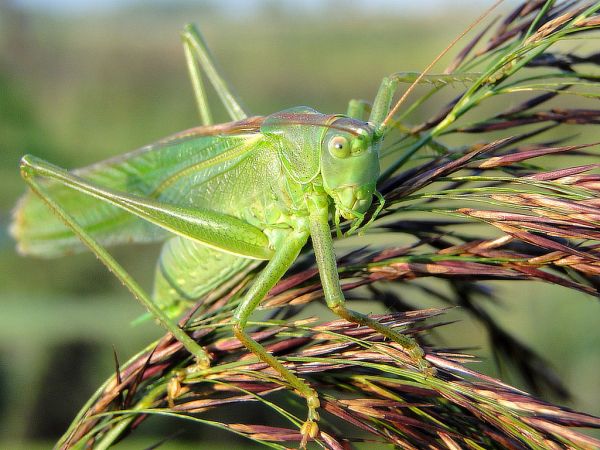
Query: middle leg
{"points": [[326, 262]]}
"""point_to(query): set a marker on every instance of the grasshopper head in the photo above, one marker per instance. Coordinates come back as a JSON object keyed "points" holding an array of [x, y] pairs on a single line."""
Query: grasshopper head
{"points": [[350, 166]]}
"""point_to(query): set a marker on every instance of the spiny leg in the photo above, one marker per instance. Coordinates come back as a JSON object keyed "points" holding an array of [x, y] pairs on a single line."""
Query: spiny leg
{"points": [[266, 279], [326, 262], [198, 56], [28, 172]]}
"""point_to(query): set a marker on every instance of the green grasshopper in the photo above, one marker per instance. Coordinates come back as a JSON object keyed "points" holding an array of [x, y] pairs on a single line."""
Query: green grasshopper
{"points": [[222, 196]]}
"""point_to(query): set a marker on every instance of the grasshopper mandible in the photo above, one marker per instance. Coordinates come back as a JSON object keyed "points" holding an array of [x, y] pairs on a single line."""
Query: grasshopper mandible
{"points": [[293, 171]]}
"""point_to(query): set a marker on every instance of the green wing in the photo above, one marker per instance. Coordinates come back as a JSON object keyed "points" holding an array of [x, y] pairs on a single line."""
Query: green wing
{"points": [[157, 171]]}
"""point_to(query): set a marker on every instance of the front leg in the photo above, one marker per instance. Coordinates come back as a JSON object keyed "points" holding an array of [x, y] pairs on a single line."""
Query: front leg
{"points": [[326, 262], [266, 279]]}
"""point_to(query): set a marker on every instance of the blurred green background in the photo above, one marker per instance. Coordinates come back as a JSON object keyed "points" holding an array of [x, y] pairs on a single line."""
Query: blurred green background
{"points": [[80, 84]]}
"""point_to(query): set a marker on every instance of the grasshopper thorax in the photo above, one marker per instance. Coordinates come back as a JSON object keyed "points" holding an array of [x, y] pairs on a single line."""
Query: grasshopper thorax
{"points": [[349, 166], [342, 150]]}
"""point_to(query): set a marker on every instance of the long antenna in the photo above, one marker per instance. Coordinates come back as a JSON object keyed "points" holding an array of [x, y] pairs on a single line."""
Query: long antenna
{"points": [[394, 110]]}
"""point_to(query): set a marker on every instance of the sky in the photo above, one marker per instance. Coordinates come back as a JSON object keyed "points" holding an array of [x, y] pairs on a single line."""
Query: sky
{"points": [[87, 6]]}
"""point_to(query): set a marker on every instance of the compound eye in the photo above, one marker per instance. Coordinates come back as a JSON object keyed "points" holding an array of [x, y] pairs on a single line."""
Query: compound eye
{"points": [[339, 147]]}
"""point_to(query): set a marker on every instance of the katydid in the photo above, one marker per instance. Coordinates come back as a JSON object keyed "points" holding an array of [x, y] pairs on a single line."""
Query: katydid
{"points": [[221, 196]]}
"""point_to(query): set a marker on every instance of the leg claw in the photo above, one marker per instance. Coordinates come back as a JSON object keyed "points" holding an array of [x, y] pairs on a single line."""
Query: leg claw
{"points": [[204, 362], [309, 430], [418, 356]]}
